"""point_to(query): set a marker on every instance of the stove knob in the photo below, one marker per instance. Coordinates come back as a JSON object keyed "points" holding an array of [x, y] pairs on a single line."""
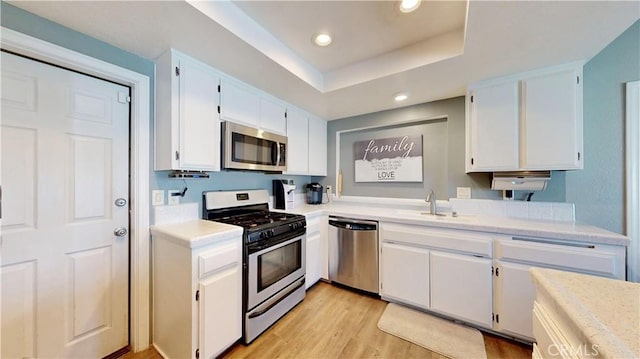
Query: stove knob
{"points": [[263, 235], [270, 233]]}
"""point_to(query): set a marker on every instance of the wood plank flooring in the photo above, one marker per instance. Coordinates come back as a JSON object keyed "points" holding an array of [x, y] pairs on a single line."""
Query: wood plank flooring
{"points": [[333, 322]]}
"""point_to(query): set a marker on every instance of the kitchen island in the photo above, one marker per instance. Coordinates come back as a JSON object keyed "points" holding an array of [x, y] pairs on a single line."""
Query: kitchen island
{"points": [[583, 315]]}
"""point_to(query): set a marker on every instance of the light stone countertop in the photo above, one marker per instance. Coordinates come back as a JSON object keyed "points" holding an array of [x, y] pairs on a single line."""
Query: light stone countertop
{"points": [[602, 312], [197, 233], [567, 231]]}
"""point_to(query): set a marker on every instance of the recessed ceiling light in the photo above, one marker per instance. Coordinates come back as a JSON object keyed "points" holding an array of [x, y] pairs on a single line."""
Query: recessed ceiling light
{"points": [[322, 39], [409, 5], [399, 97]]}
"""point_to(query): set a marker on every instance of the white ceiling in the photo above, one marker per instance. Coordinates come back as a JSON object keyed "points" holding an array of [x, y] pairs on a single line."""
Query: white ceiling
{"points": [[433, 53]]}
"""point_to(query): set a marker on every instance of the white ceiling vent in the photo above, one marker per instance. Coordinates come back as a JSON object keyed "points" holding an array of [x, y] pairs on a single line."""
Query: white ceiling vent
{"points": [[521, 180]]}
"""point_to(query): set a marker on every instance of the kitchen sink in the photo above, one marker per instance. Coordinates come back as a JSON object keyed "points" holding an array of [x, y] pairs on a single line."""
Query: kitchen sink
{"points": [[445, 216]]}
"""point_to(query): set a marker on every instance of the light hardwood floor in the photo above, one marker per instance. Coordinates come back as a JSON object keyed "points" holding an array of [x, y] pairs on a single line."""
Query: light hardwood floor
{"points": [[333, 322]]}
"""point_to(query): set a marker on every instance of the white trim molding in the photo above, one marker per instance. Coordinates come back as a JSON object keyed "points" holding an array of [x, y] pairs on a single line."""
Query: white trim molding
{"points": [[632, 130], [139, 197]]}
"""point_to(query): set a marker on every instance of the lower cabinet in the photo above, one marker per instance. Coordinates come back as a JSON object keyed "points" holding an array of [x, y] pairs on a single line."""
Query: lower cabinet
{"points": [[197, 297], [404, 274], [461, 287], [316, 256], [514, 291]]}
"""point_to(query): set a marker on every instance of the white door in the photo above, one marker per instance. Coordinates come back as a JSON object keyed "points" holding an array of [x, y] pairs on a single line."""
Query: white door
{"points": [[514, 292], [405, 274], [455, 279], [65, 151]]}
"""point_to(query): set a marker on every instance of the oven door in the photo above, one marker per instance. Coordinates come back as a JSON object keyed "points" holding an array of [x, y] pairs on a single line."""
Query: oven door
{"points": [[247, 148], [271, 268]]}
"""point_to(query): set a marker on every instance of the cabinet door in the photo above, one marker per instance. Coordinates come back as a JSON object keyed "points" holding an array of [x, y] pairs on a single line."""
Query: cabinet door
{"points": [[297, 142], [317, 146], [238, 104], [461, 287], [493, 128], [220, 312], [313, 260], [514, 295], [199, 123], [405, 274], [272, 116], [552, 122]]}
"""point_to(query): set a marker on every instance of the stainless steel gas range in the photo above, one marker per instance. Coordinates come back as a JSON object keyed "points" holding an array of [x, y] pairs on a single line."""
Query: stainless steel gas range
{"points": [[273, 255]]}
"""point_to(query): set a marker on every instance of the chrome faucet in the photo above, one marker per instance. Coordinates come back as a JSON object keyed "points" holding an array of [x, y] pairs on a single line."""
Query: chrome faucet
{"points": [[431, 198]]}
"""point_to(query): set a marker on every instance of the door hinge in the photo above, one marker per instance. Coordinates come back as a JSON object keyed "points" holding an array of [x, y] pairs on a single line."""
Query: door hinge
{"points": [[472, 161], [493, 317], [177, 71], [492, 270], [497, 318], [577, 79], [123, 97], [218, 109], [285, 114], [578, 156], [197, 295], [471, 99], [497, 271], [381, 286], [197, 353], [218, 88], [177, 155]]}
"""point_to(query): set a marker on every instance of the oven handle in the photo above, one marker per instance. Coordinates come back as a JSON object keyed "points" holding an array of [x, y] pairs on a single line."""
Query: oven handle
{"points": [[280, 299]]}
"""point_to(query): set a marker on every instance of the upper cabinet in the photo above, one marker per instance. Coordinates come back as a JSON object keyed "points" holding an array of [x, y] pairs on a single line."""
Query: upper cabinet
{"points": [[187, 126], [252, 108], [307, 144], [531, 121]]}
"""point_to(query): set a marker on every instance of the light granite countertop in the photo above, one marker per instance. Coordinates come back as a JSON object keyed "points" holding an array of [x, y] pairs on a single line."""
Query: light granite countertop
{"points": [[568, 231], [600, 311]]}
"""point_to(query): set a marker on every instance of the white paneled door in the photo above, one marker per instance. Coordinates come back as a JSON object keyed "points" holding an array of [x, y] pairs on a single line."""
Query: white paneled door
{"points": [[65, 161]]}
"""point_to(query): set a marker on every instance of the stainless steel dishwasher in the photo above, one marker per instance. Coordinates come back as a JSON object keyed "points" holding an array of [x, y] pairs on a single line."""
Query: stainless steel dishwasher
{"points": [[353, 253]]}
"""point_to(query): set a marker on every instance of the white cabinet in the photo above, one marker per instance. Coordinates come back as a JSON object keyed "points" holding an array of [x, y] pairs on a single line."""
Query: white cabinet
{"points": [[239, 104], [317, 146], [187, 127], [530, 121], [461, 287], [197, 297], [307, 141], [514, 291], [273, 116], [404, 274], [297, 142], [316, 259], [437, 269]]}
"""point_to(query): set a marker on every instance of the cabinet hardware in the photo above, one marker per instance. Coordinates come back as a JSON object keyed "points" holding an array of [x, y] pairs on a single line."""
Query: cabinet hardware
{"points": [[197, 353], [218, 108], [577, 79], [553, 243], [197, 295], [497, 271], [471, 99], [472, 160], [578, 156], [493, 317], [285, 114], [497, 318], [177, 155], [177, 71], [218, 88], [492, 269]]}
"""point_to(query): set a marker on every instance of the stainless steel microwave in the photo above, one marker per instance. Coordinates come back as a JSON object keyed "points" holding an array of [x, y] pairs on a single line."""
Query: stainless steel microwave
{"points": [[246, 148]]}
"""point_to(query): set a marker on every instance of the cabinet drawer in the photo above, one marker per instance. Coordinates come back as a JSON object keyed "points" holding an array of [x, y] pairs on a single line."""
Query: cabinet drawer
{"points": [[219, 257], [578, 256], [454, 240]]}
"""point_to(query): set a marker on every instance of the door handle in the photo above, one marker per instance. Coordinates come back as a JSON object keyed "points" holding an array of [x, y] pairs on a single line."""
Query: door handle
{"points": [[120, 232]]}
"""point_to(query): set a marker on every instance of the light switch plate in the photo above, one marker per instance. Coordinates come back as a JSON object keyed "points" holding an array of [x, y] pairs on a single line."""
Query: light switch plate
{"points": [[173, 199], [463, 192], [157, 197]]}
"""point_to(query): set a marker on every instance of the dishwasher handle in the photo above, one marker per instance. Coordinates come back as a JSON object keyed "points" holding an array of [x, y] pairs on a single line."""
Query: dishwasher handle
{"points": [[353, 224]]}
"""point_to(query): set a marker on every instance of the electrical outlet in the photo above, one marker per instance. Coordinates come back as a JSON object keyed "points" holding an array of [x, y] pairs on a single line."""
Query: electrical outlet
{"points": [[329, 188], [173, 199], [157, 197], [463, 192]]}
